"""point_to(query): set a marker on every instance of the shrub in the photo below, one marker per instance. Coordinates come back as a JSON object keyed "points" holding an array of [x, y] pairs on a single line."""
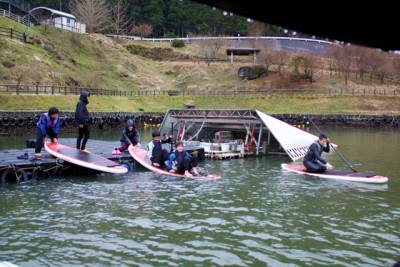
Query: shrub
{"points": [[178, 43]]}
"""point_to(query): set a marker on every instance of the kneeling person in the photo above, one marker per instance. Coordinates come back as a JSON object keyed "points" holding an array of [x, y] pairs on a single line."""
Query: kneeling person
{"points": [[313, 160], [130, 135]]}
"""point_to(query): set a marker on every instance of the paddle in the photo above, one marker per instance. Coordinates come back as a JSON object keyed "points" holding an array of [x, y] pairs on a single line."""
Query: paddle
{"points": [[172, 132], [319, 130]]}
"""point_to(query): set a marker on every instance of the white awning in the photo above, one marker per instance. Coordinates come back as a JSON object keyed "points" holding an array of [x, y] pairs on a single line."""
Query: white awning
{"points": [[54, 12], [293, 140]]}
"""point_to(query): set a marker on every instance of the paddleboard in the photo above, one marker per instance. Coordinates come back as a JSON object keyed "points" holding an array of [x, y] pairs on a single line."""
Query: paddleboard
{"points": [[84, 159], [140, 155], [341, 175]]}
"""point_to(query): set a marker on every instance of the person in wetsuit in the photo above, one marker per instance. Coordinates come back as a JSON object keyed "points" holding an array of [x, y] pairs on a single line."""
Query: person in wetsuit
{"points": [[82, 121], [313, 160], [181, 162], [155, 152]]}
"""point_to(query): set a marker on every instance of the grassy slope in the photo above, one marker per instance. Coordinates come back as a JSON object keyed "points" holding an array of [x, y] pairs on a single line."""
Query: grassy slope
{"points": [[63, 57], [273, 104]]}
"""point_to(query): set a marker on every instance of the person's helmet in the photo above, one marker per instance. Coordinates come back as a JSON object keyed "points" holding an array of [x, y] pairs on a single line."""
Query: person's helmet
{"points": [[155, 133]]}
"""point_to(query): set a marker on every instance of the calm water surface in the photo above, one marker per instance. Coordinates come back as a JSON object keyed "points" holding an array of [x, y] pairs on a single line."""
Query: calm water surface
{"points": [[255, 215]]}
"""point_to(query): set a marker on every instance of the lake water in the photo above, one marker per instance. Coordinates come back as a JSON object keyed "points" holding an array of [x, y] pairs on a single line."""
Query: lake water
{"points": [[255, 215]]}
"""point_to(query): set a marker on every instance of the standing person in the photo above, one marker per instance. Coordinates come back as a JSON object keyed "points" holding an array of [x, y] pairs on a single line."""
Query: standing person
{"points": [[130, 135], [156, 153], [313, 160], [82, 121], [181, 162], [48, 124]]}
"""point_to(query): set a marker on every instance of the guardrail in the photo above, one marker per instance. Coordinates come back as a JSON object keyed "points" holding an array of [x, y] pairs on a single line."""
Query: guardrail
{"points": [[36, 89]]}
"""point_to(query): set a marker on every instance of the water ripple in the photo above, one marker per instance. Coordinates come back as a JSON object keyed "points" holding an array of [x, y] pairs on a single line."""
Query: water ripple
{"points": [[263, 217]]}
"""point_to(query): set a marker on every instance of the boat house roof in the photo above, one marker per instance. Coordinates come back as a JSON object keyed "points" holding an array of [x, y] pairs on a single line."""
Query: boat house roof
{"points": [[55, 13]]}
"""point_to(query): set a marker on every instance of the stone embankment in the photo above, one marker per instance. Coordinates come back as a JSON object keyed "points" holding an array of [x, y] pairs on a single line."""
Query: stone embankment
{"points": [[24, 122]]}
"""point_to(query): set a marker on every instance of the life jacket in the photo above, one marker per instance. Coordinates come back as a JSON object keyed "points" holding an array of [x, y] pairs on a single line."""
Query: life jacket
{"points": [[179, 156], [157, 149], [49, 122]]}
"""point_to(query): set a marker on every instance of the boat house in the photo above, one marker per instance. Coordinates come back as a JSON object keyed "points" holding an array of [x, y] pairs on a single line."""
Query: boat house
{"points": [[230, 131]]}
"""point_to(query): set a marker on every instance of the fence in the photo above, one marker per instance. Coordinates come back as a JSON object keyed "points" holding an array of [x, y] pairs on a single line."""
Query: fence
{"points": [[36, 89], [23, 20], [9, 32]]}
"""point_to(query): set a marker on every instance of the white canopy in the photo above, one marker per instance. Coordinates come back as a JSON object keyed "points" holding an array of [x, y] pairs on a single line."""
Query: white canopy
{"points": [[293, 140], [54, 12]]}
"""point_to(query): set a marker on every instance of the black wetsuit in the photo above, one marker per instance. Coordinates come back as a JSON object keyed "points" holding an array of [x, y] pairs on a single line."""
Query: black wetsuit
{"points": [[313, 160], [82, 118]]}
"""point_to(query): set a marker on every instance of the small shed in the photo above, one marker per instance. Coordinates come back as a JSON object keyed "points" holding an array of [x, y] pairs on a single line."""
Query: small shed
{"points": [[55, 18], [242, 51]]}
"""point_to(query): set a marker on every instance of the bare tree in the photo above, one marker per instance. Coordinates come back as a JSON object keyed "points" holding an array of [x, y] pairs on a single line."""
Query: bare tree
{"points": [[379, 65], [331, 56], [376, 62], [344, 63], [95, 14], [120, 19], [360, 56], [396, 67], [256, 29], [210, 48], [265, 58], [311, 65], [20, 73], [142, 30], [280, 61]]}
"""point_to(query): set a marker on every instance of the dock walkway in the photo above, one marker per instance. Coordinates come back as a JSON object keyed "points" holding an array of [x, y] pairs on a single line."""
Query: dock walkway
{"points": [[13, 169]]}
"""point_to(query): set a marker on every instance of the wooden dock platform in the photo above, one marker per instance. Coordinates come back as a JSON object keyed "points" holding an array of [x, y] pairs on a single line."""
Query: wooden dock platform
{"points": [[13, 169]]}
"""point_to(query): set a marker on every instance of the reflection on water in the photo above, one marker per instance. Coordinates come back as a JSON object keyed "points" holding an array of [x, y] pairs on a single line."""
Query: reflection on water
{"points": [[255, 215]]}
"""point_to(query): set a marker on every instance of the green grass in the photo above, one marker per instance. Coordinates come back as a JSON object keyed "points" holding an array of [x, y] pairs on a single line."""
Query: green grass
{"points": [[65, 58], [273, 104]]}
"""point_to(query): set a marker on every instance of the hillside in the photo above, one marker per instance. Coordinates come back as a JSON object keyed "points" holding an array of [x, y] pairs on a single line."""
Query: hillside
{"points": [[65, 58]]}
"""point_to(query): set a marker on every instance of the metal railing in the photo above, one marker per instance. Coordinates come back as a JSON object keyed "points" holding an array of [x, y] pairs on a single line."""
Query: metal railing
{"points": [[39, 89], [23, 20]]}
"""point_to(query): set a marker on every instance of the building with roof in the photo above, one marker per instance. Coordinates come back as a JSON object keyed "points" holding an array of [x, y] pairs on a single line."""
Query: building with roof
{"points": [[58, 19], [242, 51]]}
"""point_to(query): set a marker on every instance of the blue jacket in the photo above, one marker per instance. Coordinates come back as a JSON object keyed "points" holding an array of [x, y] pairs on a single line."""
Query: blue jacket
{"points": [[176, 157], [45, 122]]}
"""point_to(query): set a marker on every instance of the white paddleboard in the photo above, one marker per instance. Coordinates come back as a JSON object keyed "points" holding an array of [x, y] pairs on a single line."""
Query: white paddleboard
{"points": [[336, 174], [84, 159]]}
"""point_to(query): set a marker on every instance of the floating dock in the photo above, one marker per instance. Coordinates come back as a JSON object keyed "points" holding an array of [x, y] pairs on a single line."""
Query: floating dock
{"points": [[15, 169]]}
